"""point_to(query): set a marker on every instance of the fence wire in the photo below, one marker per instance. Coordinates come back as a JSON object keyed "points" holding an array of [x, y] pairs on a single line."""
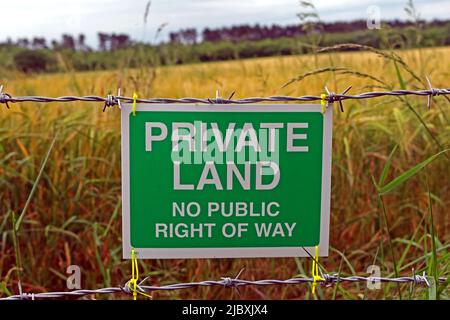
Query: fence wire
{"points": [[330, 97], [328, 280]]}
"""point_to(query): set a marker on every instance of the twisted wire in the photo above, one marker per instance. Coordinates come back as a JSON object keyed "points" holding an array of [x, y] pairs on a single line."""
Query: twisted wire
{"points": [[328, 280], [110, 100]]}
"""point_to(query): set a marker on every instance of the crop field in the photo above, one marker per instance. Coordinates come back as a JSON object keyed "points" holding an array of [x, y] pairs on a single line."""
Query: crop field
{"points": [[69, 211]]}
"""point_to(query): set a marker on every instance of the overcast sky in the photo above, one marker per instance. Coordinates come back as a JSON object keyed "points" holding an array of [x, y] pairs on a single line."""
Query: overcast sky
{"points": [[51, 18]]}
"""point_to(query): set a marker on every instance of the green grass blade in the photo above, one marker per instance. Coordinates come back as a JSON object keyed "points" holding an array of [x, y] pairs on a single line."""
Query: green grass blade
{"points": [[34, 188], [17, 253], [387, 167], [432, 290], [408, 174], [336, 286], [399, 76], [4, 289], [434, 260]]}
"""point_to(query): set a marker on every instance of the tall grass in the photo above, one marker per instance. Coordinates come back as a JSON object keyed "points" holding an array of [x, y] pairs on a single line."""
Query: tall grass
{"points": [[73, 216]]}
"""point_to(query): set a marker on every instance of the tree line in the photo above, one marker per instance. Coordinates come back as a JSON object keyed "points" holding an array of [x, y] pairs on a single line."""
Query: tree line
{"points": [[106, 42], [113, 41], [262, 32], [186, 46]]}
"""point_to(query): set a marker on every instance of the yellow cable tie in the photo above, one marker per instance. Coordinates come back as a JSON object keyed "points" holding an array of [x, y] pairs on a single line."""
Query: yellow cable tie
{"points": [[323, 101], [132, 284], [315, 271], [133, 108]]}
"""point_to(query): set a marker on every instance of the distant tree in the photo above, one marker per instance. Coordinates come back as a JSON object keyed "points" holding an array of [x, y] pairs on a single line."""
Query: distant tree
{"points": [[39, 43], [55, 44], [175, 37], [119, 41], [211, 35], [23, 43], [68, 42], [113, 41], [186, 36], [189, 36], [81, 43], [103, 39]]}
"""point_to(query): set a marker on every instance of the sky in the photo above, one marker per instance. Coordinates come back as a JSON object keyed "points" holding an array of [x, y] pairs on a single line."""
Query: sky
{"points": [[52, 18]]}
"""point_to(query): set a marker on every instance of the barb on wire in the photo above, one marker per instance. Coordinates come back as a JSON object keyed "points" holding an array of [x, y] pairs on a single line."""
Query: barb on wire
{"points": [[111, 100], [434, 92], [328, 279], [4, 97], [332, 97], [230, 282]]}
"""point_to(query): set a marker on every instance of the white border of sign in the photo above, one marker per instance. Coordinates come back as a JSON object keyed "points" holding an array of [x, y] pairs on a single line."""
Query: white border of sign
{"points": [[185, 253]]}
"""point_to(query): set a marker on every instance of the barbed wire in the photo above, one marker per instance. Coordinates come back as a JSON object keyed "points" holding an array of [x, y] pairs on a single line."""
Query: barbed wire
{"points": [[327, 280], [330, 97]]}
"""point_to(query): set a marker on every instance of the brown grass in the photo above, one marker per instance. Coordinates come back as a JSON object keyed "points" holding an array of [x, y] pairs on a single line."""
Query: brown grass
{"points": [[74, 215]]}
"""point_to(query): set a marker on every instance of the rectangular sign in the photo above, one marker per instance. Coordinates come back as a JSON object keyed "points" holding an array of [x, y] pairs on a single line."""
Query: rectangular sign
{"points": [[216, 181]]}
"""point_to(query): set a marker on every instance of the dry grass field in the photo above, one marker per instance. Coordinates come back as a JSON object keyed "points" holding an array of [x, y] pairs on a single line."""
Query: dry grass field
{"points": [[74, 214]]}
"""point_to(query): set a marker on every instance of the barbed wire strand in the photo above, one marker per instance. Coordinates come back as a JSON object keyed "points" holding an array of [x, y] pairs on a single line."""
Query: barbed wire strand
{"points": [[111, 100], [328, 280]]}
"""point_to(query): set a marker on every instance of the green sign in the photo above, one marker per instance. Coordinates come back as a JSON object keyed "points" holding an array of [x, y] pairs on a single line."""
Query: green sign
{"points": [[204, 181]]}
